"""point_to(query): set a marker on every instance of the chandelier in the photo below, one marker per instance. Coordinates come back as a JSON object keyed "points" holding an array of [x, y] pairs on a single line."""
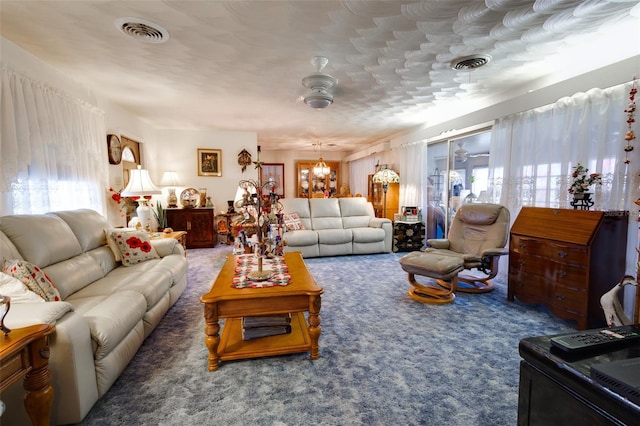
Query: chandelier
{"points": [[321, 168]]}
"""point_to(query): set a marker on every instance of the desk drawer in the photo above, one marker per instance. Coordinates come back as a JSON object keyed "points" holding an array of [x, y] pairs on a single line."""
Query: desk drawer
{"points": [[565, 253]]}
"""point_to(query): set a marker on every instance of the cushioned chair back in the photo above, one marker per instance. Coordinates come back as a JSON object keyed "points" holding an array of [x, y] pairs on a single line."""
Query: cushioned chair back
{"points": [[479, 226]]}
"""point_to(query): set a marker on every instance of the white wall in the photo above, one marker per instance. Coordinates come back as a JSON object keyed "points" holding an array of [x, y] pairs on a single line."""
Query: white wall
{"points": [[177, 150]]}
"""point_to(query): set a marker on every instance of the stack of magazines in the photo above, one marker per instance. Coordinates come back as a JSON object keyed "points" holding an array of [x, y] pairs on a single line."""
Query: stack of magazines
{"points": [[267, 325]]}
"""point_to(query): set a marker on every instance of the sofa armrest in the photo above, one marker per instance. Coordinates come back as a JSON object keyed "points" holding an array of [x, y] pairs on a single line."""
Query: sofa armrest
{"points": [[167, 246], [377, 222], [26, 314]]}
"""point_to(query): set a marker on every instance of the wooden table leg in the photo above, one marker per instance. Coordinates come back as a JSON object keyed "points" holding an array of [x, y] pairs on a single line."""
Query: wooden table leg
{"points": [[37, 383], [314, 325], [212, 331]]}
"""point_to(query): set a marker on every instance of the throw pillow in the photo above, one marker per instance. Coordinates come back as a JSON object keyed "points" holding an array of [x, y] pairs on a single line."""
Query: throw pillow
{"points": [[18, 292], [111, 242], [33, 278], [135, 246], [292, 221]]}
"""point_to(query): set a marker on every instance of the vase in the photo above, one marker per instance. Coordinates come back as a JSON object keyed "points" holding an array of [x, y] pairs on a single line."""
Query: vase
{"points": [[582, 201]]}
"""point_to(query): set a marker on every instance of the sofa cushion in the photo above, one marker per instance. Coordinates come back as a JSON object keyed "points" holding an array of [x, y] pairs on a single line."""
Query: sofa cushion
{"points": [[325, 213], [74, 274], [33, 278], [87, 225], [356, 212], [303, 237], [113, 318], [135, 246], [368, 235], [7, 249], [18, 292], [300, 206], [42, 239], [334, 236]]}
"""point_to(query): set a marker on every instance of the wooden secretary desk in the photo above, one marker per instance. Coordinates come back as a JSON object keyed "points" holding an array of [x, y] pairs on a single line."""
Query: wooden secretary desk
{"points": [[567, 259]]}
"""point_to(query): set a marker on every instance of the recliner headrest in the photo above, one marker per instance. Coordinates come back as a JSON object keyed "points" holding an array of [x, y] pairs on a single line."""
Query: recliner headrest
{"points": [[479, 213]]}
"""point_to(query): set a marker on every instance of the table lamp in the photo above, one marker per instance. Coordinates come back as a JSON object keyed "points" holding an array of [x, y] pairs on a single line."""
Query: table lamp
{"points": [[140, 185], [385, 176], [171, 180]]}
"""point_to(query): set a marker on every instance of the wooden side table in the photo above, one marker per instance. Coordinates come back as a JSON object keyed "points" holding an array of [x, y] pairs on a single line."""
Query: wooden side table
{"points": [[25, 353], [181, 236]]}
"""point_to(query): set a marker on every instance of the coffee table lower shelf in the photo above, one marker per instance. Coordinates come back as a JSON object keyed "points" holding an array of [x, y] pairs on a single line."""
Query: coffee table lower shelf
{"points": [[233, 347]]}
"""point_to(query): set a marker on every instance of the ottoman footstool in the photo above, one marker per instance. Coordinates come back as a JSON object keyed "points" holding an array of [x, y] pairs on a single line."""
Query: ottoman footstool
{"points": [[442, 268]]}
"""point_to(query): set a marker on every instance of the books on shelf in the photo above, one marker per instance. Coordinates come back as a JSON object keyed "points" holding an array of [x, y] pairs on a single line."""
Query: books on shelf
{"points": [[266, 325]]}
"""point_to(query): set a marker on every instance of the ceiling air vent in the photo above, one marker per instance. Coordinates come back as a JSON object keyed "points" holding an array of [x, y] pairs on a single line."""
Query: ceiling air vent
{"points": [[470, 62], [142, 30]]}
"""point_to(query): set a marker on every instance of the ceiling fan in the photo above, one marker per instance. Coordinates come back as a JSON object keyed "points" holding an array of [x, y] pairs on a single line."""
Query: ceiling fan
{"points": [[319, 83], [462, 154]]}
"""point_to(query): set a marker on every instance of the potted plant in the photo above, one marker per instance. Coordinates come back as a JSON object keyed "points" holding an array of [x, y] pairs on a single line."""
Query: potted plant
{"points": [[161, 216], [582, 180]]}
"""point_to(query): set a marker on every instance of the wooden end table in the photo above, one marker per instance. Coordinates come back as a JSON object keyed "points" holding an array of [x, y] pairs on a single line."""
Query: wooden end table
{"points": [[181, 236], [224, 301], [25, 353]]}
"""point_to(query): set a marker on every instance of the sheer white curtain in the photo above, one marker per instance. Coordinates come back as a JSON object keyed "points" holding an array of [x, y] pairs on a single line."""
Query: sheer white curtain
{"points": [[359, 170], [533, 154], [413, 175], [53, 151]]}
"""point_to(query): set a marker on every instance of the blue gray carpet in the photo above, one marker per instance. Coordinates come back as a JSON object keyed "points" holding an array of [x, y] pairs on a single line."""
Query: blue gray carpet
{"points": [[384, 358]]}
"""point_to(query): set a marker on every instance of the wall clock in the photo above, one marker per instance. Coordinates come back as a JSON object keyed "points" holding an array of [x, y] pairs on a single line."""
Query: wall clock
{"points": [[115, 149]]}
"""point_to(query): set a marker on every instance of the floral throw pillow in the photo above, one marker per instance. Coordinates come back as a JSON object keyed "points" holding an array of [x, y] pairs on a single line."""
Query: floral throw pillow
{"points": [[135, 247], [33, 278], [292, 221]]}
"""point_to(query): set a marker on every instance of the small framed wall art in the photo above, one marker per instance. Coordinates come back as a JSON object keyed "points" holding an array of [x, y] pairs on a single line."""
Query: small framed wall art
{"points": [[209, 162]]}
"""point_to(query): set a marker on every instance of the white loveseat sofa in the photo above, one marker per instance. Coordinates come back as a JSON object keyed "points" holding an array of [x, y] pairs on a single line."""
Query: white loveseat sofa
{"points": [[106, 309], [336, 227]]}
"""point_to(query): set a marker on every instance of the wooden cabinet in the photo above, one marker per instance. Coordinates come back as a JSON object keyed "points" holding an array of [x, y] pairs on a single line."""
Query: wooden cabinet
{"points": [[198, 222], [566, 260], [376, 196], [311, 184]]}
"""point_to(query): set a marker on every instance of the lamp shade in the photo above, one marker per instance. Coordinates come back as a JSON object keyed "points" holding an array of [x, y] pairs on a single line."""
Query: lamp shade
{"points": [[386, 176], [170, 178], [140, 184]]}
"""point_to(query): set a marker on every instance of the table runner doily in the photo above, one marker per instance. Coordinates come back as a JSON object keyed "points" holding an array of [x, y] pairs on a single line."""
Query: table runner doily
{"points": [[248, 262]]}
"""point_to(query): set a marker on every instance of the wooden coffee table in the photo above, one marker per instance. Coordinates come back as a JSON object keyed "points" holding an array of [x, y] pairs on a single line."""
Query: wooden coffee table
{"points": [[224, 301]]}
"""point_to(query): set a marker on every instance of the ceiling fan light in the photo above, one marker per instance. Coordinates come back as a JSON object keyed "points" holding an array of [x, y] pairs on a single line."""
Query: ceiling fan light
{"points": [[318, 100]]}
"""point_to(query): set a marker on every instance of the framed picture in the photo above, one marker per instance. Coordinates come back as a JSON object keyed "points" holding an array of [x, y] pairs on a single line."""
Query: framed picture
{"points": [[273, 172], [209, 162]]}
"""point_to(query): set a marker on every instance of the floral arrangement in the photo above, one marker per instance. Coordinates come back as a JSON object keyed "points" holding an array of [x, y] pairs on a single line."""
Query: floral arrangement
{"points": [[582, 180], [125, 204], [630, 110]]}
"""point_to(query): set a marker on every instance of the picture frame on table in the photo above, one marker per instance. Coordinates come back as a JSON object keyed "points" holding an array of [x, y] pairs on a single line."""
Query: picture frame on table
{"points": [[209, 162], [273, 171]]}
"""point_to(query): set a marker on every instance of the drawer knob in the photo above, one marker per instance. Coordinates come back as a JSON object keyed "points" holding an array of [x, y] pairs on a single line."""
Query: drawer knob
{"points": [[562, 253], [562, 274], [559, 296], [522, 245]]}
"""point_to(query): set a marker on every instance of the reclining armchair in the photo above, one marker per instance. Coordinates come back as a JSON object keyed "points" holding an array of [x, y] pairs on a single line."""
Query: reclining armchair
{"points": [[476, 240]]}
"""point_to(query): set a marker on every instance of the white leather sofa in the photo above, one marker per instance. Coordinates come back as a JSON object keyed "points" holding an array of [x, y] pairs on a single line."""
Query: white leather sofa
{"points": [[336, 227], [106, 309]]}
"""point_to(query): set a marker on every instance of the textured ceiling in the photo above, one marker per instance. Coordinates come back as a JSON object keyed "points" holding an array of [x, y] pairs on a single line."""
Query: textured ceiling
{"points": [[238, 65]]}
